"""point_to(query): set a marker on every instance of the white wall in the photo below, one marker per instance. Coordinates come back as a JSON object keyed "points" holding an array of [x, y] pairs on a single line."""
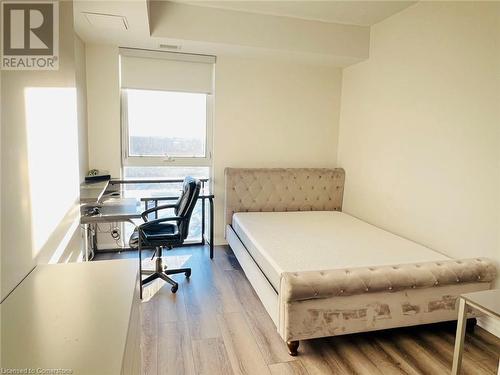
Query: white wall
{"points": [[419, 129], [272, 114], [103, 103], [267, 113], [81, 92], [39, 214]]}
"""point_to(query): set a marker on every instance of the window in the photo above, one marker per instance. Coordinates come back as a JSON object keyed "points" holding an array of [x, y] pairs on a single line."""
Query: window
{"points": [[165, 125], [166, 121]]}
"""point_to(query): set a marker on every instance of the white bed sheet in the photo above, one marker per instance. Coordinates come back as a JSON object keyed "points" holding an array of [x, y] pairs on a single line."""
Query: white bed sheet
{"points": [[321, 240]]}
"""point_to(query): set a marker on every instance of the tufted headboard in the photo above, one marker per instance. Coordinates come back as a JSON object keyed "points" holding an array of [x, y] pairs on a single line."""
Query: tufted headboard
{"points": [[278, 189]]}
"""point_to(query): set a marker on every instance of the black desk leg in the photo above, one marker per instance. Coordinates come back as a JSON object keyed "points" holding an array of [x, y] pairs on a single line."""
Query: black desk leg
{"points": [[203, 218], [211, 227]]}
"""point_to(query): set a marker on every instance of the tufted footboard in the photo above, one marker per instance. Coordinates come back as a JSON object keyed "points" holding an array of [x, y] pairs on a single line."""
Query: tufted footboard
{"points": [[328, 303]]}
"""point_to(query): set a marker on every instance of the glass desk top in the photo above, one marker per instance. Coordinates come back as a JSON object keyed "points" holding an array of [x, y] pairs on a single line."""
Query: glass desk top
{"points": [[489, 300]]}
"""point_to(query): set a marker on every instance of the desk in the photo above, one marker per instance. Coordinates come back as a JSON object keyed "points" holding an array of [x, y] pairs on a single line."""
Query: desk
{"points": [[105, 195], [487, 302], [78, 316], [110, 210]]}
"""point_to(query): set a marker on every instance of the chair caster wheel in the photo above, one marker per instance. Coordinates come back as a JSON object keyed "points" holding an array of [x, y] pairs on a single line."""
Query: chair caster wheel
{"points": [[174, 288], [188, 273]]}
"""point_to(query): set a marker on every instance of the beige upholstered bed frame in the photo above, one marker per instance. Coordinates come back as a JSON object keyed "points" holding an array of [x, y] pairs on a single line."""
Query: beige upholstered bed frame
{"points": [[327, 303], [254, 190]]}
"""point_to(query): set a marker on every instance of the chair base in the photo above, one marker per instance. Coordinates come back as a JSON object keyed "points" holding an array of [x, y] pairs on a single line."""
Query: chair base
{"points": [[164, 276], [162, 272]]}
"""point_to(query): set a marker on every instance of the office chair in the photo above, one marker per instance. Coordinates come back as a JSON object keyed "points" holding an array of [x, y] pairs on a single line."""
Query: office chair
{"points": [[167, 232]]}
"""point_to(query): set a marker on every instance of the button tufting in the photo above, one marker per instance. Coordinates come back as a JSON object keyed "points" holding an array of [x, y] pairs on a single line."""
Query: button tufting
{"points": [[390, 288], [341, 291], [436, 283]]}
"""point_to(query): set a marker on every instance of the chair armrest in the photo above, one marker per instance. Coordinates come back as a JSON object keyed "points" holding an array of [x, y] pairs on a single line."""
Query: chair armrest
{"points": [[157, 208], [162, 220]]}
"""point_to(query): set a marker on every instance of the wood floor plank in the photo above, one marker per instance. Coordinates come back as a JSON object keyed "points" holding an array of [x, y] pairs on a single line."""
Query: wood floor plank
{"points": [[350, 353], [384, 363], [271, 345], [426, 360], [149, 337], [245, 292], [225, 259], [288, 368], [175, 351], [203, 326], [210, 357], [488, 339], [442, 349], [226, 293], [320, 357], [244, 354], [405, 362], [473, 346], [171, 306]]}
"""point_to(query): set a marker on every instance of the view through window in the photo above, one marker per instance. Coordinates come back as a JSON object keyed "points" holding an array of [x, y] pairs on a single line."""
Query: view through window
{"points": [[164, 123], [165, 137]]}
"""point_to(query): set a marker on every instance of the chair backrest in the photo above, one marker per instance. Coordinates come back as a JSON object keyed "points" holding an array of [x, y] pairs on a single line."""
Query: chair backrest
{"points": [[185, 205]]}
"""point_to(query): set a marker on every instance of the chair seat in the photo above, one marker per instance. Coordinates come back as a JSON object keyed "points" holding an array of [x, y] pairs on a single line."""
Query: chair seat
{"points": [[164, 233]]}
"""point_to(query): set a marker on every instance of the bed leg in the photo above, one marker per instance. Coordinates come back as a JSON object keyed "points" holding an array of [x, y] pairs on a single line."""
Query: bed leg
{"points": [[293, 346]]}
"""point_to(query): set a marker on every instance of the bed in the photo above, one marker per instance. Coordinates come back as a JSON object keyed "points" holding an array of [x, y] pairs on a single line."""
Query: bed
{"points": [[321, 272]]}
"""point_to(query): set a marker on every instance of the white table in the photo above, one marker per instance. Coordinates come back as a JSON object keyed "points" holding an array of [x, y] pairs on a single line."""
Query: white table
{"points": [[82, 317], [487, 302]]}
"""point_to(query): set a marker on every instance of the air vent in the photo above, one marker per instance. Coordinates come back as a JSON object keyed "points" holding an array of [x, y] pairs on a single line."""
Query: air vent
{"points": [[106, 21], [171, 47]]}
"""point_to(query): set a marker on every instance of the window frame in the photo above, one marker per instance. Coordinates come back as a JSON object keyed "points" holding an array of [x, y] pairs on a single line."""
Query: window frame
{"points": [[162, 161]]}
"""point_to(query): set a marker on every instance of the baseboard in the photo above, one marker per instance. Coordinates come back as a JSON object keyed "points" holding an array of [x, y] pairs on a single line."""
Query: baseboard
{"points": [[489, 324]]}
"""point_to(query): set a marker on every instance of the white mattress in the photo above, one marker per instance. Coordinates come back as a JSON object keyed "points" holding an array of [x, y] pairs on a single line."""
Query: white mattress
{"points": [[321, 240]]}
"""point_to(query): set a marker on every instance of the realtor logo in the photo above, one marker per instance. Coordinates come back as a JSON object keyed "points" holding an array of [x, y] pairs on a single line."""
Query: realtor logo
{"points": [[30, 35]]}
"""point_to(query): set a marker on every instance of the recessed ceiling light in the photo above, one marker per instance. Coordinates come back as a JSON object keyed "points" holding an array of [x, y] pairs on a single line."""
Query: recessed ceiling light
{"points": [[106, 21]]}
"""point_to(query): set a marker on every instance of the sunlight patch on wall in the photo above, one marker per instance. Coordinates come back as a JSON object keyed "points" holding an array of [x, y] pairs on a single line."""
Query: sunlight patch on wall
{"points": [[52, 139]]}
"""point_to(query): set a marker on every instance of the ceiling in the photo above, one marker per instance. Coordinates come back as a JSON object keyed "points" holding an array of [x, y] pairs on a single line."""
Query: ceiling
{"points": [[320, 32], [362, 13]]}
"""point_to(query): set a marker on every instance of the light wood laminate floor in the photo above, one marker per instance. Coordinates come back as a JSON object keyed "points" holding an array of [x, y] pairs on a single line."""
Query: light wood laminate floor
{"points": [[215, 324]]}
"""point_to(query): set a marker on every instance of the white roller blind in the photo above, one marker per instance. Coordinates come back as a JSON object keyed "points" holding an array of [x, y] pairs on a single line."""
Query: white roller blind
{"points": [[153, 70]]}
